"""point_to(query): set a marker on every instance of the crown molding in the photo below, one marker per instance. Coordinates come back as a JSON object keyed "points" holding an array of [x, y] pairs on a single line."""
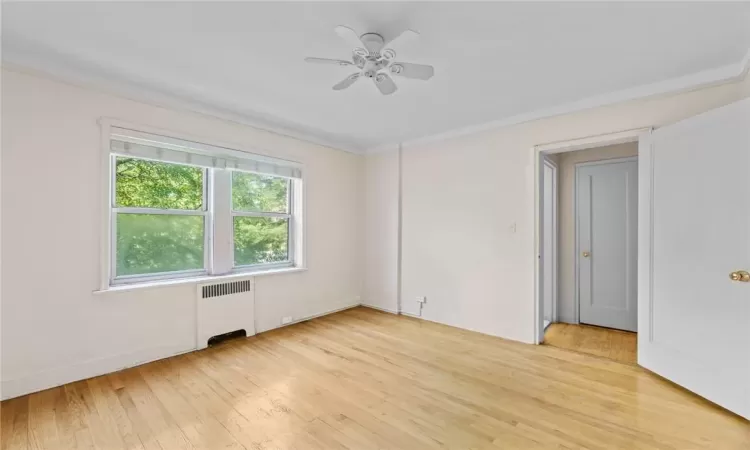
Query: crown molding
{"points": [[722, 75], [78, 76]]}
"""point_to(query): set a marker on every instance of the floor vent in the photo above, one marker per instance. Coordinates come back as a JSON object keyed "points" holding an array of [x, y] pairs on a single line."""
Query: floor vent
{"points": [[221, 289], [215, 340]]}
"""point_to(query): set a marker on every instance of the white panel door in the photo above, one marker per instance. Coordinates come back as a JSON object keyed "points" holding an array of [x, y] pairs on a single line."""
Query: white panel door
{"points": [[607, 226], [694, 319]]}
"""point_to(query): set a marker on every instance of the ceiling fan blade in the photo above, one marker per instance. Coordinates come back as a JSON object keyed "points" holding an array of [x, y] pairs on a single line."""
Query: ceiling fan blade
{"points": [[346, 82], [339, 62], [350, 36], [402, 39], [409, 70], [385, 84]]}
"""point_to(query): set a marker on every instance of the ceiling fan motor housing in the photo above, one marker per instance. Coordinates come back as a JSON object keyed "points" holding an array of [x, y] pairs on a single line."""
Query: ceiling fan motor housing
{"points": [[373, 42]]}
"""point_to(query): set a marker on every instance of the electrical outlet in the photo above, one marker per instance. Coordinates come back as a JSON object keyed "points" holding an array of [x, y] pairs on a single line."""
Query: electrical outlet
{"points": [[285, 320], [421, 299]]}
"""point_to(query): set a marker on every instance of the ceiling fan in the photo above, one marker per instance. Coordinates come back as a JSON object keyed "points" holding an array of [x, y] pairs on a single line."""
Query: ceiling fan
{"points": [[375, 60]]}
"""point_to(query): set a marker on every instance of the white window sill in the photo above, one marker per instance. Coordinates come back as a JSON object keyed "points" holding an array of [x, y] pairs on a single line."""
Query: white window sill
{"points": [[198, 280]]}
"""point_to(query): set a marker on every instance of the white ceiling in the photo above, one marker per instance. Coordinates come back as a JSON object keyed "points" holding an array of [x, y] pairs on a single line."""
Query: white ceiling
{"points": [[493, 61]]}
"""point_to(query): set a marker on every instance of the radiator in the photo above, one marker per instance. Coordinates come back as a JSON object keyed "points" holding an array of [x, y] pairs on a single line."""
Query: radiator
{"points": [[224, 308]]}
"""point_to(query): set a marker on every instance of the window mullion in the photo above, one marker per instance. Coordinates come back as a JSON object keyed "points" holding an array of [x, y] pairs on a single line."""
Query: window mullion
{"points": [[221, 206], [261, 214]]}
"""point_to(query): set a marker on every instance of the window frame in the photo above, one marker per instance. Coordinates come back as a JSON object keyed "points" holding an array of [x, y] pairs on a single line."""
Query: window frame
{"points": [[289, 216], [114, 210], [218, 254]]}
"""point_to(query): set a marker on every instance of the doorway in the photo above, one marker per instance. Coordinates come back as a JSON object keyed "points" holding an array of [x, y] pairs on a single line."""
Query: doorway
{"points": [[692, 257], [594, 201]]}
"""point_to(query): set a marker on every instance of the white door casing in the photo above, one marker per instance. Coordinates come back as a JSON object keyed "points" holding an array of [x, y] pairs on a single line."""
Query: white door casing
{"points": [[549, 240], [607, 243], [694, 321]]}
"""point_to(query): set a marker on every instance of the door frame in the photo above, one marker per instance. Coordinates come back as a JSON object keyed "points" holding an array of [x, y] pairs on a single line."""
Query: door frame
{"points": [[576, 266], [555, 232], [643, 137]]}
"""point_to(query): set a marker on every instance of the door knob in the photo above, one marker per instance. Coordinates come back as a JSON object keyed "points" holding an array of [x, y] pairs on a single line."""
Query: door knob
{"points": [[586, 254], [741, 276]]}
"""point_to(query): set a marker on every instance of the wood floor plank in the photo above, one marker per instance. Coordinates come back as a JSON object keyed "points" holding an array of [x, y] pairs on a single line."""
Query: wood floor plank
{"points": [[143, 404], [42, 420], [362, 380], [112, 412], [15, 422], [603, 342]]}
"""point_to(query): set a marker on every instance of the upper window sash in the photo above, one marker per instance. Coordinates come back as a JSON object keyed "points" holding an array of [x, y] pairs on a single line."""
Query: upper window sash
{"points": [[204, 207]]}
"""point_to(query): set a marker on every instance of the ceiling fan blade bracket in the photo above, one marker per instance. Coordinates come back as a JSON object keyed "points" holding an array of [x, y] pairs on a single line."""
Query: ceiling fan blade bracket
{"points": [[410, 70], [385, 83], [346, 82]]}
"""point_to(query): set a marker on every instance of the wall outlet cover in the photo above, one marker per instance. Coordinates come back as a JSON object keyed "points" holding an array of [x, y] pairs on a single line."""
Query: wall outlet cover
{"points": [[286, 319], [422, 299]]}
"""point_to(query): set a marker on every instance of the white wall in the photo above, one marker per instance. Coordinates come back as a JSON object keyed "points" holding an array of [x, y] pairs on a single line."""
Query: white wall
{"points": [[54, 330], [462, 197], [566, 214], [381, 230]]}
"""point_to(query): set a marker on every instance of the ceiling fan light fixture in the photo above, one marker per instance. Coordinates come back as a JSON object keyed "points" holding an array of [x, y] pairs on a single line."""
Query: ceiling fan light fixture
{"points": [[388, 53]]}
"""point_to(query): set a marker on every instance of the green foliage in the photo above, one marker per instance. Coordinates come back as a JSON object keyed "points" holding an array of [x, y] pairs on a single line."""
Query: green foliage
{"points": [[153, 243], [253, 192], [259, 240], [149, 184]]}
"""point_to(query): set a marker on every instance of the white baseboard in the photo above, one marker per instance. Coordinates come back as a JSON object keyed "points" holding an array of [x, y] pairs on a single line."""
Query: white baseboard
{"points": [[312, 316], [58, 376], [463, 328], [391, 311]]}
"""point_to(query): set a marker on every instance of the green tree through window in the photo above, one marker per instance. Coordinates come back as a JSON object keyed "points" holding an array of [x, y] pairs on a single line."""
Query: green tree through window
{"points": [[257, 239], [160, 217], [154, 243]]}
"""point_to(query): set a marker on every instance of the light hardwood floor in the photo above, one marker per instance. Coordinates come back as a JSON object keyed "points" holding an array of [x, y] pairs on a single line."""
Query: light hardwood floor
{"points": [[604, 342], [362, 379]]}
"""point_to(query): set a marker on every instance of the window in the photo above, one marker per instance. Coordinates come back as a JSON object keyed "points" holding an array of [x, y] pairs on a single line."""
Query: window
{"points": [[260, 215], [160, 217], [180, 209]]}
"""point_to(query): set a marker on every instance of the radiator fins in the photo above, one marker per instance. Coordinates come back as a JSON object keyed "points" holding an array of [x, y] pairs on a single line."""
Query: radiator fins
{"points": [[221, 289]]}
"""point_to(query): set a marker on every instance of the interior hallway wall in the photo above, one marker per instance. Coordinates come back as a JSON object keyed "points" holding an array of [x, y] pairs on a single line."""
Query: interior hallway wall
{"points": [[468, 210]]}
